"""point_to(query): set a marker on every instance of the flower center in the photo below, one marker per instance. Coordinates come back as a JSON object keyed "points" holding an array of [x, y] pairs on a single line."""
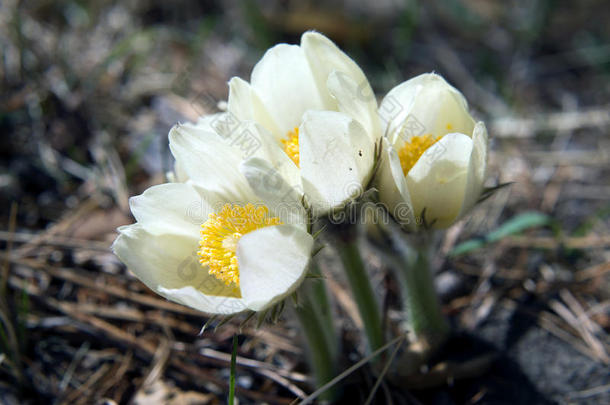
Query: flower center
{"points": [[291, 145], [412, 150], [220, 234]]}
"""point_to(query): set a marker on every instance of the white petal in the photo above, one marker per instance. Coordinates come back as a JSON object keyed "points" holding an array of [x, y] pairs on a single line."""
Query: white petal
{"points": [[393, 190], [437, 182], [241, 139], [246, 105], [479, 152], [273, 153], [273, 174], [281, 192], [272, 264], [426, 104], [353, 101], [169, 264], [284, 82], [324, 57], [209, 123], [476, 168], [209, 162], [171, 208], [271, 150], [234, 135], [210, 304], [180, 175], [395, 106], [336, 158]]}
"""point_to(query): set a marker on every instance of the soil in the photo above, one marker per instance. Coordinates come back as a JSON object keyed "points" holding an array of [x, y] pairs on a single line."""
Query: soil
{"points": [[88, 93]]}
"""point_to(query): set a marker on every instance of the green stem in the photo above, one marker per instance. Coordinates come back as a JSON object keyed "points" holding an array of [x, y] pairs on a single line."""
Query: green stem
{"points": [[423, 308], [233, 371], [362, 291], [314, 314]]}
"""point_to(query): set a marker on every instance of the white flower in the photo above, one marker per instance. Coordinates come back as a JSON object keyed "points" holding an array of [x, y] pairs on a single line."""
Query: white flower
{"points": [[318, 107], [211, 243], [435, 154]]}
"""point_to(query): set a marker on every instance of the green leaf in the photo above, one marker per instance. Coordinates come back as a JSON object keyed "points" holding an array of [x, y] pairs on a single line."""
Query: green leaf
{"points": [[513, 226]]}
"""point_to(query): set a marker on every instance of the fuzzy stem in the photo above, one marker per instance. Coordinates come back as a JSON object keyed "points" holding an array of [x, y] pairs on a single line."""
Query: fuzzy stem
{"points": [[423, 308], [314, 314], [362, 291]]}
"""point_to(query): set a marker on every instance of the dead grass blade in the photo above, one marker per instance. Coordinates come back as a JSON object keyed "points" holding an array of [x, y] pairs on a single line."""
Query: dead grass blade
{"points": [[351, 369]]}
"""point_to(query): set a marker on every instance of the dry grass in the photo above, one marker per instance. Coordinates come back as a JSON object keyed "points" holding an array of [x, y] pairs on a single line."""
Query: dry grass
{"points": [[88, 120]]}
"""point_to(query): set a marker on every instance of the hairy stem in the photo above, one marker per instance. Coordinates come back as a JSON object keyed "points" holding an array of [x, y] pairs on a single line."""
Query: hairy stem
{"points": [[314, 314], [421, 302], [362, 291]]}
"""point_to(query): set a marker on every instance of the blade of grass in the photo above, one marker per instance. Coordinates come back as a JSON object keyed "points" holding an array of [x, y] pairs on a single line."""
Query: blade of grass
{"points": [[385, 369], [489, 191], [12, 223], [350, 370], [233, 367], [22, 314], [9, 340]]}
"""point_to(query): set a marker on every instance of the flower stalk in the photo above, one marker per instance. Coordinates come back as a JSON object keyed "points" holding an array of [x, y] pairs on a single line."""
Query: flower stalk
{"points": [[415, 275], [362, 291], [409, 256], [422, 305], [315, 316]]}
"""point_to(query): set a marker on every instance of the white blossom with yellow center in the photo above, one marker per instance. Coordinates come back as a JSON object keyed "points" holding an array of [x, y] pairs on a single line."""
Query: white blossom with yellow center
{"points": [[209, 242], [318, 107], [435, 154]]}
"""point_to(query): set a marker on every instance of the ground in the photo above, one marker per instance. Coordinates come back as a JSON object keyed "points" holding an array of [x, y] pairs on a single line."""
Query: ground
{"points": [[89, 92]]}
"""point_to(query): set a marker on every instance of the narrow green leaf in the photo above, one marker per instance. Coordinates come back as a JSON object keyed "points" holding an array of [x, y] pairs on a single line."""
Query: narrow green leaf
{"points": [[24, 309], [467, 246], [515, 225], [519, 224], [233, 371]]}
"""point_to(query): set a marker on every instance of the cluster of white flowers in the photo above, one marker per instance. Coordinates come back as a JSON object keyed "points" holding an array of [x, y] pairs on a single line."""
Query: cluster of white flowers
{"points": [[319, 137]]}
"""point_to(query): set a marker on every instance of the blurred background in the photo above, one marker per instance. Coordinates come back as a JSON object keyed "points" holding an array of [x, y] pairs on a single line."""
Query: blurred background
{"points": [[90, 90]]}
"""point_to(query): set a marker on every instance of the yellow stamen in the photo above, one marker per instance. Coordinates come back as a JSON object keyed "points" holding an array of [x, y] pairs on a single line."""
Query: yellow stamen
{"points": [[220, 234], [291, 145], [412, 150]]}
